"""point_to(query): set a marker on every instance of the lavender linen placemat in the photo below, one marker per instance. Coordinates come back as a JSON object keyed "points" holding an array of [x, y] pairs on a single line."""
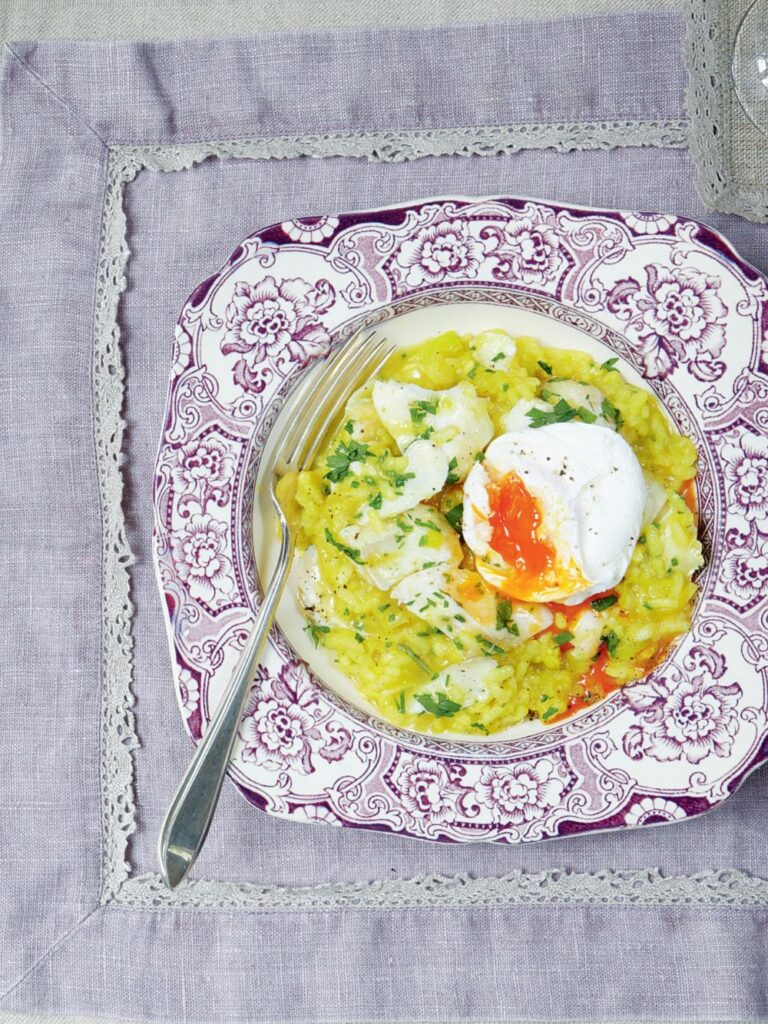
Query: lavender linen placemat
{"points": [[120, 172]]}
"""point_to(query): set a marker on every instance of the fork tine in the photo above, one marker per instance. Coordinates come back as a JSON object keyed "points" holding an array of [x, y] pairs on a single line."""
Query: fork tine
{"points": [[356, 375], [337, 388], [315, 374], [326, 388], [314, 382]]}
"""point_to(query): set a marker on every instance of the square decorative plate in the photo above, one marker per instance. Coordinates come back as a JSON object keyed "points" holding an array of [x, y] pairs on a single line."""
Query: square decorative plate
{"points": [[687, 319]]}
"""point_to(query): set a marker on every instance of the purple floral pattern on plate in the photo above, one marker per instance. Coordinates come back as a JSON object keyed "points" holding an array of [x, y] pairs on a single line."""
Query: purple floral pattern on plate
{"points": [[684, 716], [273, 324], [660, 292], [676, 317]]}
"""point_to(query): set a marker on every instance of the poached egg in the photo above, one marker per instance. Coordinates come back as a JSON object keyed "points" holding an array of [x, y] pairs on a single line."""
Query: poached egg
{"points": [[554, 513]]}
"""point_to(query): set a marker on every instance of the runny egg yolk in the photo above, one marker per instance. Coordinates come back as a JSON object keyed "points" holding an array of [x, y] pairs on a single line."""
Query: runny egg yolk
{"points": [[516, 534]]}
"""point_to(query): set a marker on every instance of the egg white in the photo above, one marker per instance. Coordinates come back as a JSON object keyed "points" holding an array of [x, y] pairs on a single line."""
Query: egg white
{"points": [[592, 494]]}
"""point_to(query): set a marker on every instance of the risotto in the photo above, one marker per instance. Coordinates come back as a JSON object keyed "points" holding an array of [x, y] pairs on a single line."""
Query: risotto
{"points": [[497, 531]]}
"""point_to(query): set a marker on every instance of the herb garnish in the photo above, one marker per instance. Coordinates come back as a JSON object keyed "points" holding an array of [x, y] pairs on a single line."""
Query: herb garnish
{"points": [[353, 553], [376, 500], [480, 727], [420, 409], [316, 632], [426, 525], [439, 704], [545, 367], [546, 715], [561, 412], [504, 618], [414, 657], [452, 478], [400, 702], [610, 364], [611, 641], [612, 413], [586, 414], [601, 603], [563, 638], [488, 646], [454, 515], [345, 454], [398, 479]]}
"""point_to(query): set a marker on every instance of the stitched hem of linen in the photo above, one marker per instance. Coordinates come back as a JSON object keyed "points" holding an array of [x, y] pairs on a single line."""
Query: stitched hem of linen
{"points": [[118, 726], [708, 48]]}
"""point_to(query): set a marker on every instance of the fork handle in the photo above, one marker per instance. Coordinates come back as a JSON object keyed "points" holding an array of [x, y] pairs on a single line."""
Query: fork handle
{"points": [[189, 817]]}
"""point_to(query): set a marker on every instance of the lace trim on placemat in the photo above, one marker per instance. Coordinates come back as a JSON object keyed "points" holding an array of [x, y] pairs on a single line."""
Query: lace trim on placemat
{"points": [[708, 48], [118, 730], [118, 726], [646, 888], [394, 146]]}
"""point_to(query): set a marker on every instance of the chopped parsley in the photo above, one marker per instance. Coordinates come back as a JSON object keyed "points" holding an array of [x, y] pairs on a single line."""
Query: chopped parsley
{"points": [[504, 618], [452, 478], [398, 479], [353, 553], [453, 515], [641, 539], [376, 500], [546, 715], [316, 632], [439, 704], [348, 426], [480, 728], [612, 413], [610, 364], [563, 638], [359, 637], [497, 357], [611, 641], [561, 412], [426, 525], [404, 525], [480, 457], [601, 603], [545, 367], [345, 454], [488, 646], [400, 702], [414, 657], [420, 409]]}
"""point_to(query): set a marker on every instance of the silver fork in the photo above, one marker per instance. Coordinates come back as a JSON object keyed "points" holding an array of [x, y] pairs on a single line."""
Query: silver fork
{"points": [[318, 401]]}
